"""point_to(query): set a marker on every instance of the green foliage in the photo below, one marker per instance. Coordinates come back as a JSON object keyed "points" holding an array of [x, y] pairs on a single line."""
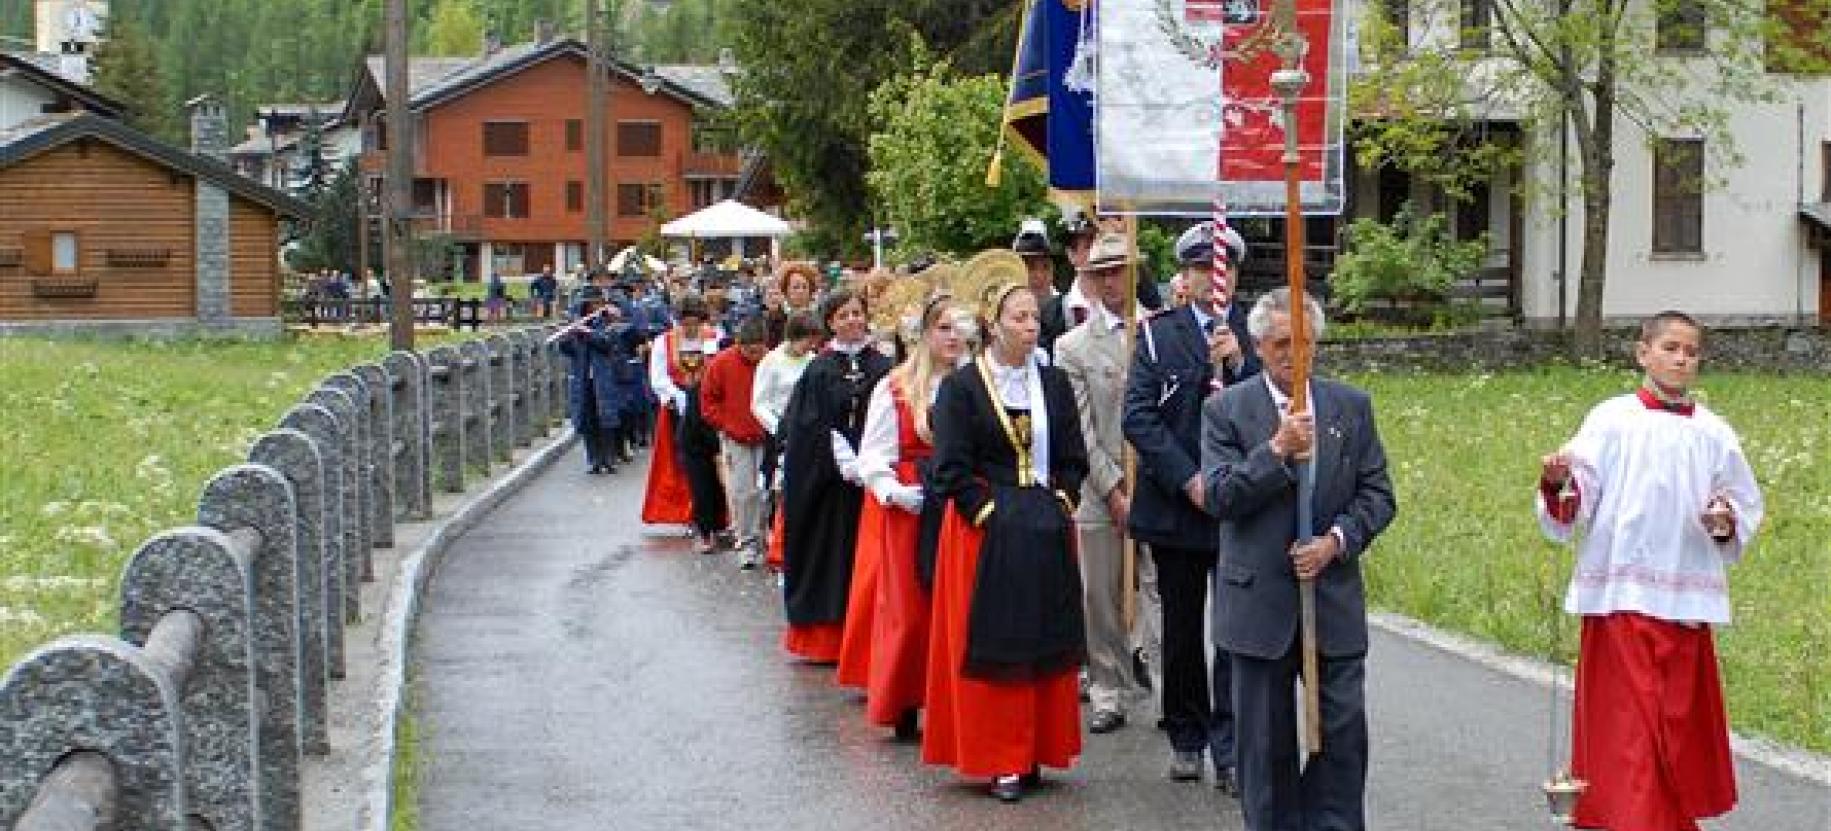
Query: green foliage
{"points": [[127, 70], [685, 31], [1414, 259], [455, 28], [928, 162], [330, 242], [1465, 552], [1157, 248], [809, 70]]}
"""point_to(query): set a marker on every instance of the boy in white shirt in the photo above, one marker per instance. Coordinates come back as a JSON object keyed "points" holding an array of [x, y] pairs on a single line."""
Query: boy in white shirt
{"points": [[1665, 498]]}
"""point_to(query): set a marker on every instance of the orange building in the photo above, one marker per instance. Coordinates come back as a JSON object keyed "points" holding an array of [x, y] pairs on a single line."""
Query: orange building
{"points": [[499, 150]]}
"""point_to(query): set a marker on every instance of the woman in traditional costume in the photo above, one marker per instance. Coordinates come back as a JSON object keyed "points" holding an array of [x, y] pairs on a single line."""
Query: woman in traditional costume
{"points": [[821, 487], [895, 459], [674, 360], [1007, 634], [896, 319]]}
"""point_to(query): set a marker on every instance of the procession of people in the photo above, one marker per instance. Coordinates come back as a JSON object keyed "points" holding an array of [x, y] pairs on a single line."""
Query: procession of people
{"points": [[987, 502]]}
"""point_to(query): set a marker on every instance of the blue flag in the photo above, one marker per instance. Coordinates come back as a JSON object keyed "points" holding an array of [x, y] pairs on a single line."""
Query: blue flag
{"points": [[1049, 112]]}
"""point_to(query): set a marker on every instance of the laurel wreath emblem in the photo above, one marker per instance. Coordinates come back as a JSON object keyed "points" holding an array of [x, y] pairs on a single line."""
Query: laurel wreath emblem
{"points": [[1212, 53]]}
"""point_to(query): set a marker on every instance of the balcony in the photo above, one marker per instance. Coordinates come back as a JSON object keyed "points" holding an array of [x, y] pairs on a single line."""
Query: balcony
{"points": [[462, 226], [721, 165]]}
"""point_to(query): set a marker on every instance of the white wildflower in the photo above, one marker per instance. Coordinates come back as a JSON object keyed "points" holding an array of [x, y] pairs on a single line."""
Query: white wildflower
{"points": [[55, 508], [94, 536], [22, 617]]}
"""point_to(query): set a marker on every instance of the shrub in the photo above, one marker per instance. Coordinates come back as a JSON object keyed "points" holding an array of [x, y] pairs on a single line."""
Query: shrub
{"points": [[1412, 262]]}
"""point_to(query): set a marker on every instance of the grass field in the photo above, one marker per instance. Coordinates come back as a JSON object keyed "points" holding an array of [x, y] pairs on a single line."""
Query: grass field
{"points": [[105, 443], [1466, 552]]}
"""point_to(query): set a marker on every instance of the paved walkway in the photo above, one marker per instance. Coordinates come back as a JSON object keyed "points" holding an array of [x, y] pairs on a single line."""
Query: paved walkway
{"points": [[576, 672]]}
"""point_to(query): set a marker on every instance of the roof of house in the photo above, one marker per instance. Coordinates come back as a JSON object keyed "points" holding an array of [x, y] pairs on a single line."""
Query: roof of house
{"points": [[38, 135], [431, 81], [42, 70]]}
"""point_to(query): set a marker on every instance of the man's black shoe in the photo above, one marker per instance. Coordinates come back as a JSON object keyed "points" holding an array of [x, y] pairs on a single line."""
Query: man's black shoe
{"points": [[1008, 788], [1225, 782], [1105, 721]]}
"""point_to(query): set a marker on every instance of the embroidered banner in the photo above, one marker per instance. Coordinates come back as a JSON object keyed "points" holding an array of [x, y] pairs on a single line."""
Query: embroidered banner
{"points": [[1185, 113]]}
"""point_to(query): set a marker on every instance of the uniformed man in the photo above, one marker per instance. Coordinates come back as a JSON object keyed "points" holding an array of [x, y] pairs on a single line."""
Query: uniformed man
{"points": [[1183, 355]]}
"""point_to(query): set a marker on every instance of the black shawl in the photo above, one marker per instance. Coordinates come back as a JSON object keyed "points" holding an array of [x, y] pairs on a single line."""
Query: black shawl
{"points": [[1026, 617], [820, 519]]}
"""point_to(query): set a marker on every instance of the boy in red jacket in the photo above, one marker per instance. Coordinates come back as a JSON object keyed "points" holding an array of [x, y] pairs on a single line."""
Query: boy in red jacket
{"points": [[725, 399]]}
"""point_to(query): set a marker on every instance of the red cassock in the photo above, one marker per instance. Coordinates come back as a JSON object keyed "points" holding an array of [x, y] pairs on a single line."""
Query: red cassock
{"points": [[861, 601], [899, 632], [667, 500], [1649, 729], [983, 728]]}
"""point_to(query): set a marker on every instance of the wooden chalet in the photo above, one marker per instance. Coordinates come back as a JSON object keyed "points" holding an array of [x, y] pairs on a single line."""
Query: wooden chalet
{"points": [[104, 228]]}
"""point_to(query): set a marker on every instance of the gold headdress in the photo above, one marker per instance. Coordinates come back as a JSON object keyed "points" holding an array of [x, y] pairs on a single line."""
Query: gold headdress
{"points": [[902, 297], [988, 277]]}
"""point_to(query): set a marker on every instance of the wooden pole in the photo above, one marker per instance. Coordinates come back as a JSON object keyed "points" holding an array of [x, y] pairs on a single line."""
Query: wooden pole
{"points": [[398, 227], [1128, 562], [597, 115], [1288, 82]]}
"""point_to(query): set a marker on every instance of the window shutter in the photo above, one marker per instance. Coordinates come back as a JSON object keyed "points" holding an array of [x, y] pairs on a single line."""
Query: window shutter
{"points": [[37, 251]]}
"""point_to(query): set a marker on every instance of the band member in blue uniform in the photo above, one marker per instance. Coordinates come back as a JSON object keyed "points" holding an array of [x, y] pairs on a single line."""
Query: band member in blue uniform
{"points": [[1182, 356]]}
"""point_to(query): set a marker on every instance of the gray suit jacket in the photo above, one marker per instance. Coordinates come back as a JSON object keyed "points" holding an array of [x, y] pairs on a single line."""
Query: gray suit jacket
{"points": [[1255, 495], [1094, 358]]}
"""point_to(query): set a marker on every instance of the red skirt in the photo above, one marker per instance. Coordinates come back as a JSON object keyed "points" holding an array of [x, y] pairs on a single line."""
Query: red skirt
{"points": [[899, 632], [667, 501], [1649, 731], [861, 599], [773, 560], [982, 728], [816, 643]]}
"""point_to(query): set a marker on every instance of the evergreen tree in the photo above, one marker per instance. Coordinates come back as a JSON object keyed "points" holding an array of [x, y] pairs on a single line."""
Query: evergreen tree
{"points": [[330, 241], [126, 70]]}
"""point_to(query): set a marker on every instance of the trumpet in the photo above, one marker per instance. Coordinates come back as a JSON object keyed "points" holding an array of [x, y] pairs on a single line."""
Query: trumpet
{"points": [[581, 324]]}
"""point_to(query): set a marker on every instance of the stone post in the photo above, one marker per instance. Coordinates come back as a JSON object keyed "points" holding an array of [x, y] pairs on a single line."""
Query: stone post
{"points": [[477, 396], [362, 461], [445, 399], [295, 456], [385, 447], [412, 429], [208, 573], [256, 497], [322, 426], [502, 398], [338, 465]]}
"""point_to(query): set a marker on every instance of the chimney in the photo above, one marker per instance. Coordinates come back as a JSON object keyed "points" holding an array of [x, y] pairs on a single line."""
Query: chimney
{"points": [[209, 127], [543, 31], [727, 59], [492, 42]]}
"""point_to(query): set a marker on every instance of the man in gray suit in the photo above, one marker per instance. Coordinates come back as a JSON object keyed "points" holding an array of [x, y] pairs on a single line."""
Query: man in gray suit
{"points": [[1251, 450]]}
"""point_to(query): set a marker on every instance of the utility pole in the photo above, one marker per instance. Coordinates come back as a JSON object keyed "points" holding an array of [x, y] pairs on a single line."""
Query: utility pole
{"points": [[398, 200], [597, 92]]}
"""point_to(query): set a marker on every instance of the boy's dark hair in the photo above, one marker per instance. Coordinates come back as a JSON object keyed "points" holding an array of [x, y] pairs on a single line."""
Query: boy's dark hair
{"points": [[752, 331], [800, 325], [1653, 326], [838, 300], [692, 305]]}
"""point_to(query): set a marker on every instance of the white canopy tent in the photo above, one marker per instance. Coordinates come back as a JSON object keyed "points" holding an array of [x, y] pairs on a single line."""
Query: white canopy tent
{"points": [[731, 220]]}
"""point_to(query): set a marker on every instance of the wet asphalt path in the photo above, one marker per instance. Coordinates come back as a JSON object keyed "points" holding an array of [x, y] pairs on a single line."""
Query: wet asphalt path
{"points": [[576, 671]]}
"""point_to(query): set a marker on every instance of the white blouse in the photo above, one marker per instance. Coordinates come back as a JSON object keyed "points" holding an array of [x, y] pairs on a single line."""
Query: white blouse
{"points": [[1643, 479], [659, 378], [774, 384]]}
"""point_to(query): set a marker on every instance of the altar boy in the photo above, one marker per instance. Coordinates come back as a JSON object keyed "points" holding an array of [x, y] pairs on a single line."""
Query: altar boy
{"points": [[1665, 499]]}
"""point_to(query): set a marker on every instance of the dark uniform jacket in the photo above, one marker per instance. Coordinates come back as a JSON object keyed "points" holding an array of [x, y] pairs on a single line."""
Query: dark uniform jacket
{"points": [[1169, 379]]}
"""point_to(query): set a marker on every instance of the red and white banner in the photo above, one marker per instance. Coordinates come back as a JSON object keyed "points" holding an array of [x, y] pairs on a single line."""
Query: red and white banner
{"points": [[1185, 114]]}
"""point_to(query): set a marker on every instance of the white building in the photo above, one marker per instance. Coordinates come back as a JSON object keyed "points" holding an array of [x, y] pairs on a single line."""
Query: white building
{"points": [[31, 87], [1751, 245]]}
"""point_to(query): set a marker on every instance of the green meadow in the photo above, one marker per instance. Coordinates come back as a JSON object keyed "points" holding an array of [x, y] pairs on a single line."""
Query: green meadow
{"points": [[1466, 552], [103, 444]]}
